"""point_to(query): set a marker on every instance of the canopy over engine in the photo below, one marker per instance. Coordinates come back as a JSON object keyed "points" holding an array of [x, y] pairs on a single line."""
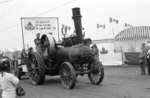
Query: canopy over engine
{"points": [[72, 48], [78, 38]]}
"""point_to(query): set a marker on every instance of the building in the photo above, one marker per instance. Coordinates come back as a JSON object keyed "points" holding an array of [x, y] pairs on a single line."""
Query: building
{"points": [[130, 40], [109, 58], [108, 44], [125, 46]]}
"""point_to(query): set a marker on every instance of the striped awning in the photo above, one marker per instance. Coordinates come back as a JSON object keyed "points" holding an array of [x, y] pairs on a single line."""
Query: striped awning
{"points": [[137, 32]]}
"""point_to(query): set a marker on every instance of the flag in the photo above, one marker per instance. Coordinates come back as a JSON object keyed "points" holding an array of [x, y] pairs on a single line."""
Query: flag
{"points": [[66, 29], [62, 29], [127, 25], [110, 20], [97, 26], [101, 26], [117, 21], [113, 20], [69, 28], [104, 26]]}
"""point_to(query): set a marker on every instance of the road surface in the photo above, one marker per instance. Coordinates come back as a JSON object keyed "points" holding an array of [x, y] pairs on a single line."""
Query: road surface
{"points": [[119, 82]]}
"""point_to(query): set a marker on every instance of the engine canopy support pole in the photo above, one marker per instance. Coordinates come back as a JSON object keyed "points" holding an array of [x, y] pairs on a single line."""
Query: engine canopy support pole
{"points": [[23, 42]]}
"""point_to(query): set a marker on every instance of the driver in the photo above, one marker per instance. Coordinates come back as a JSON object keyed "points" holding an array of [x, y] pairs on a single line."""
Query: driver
{"points": [[37, 41], [95, 51]]}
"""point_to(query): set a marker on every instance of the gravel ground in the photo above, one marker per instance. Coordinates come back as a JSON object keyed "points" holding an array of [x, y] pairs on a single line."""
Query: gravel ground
{"points": [[119, 82]]}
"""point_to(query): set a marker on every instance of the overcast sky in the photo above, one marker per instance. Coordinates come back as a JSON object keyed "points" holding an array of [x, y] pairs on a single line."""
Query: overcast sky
{"points": [[134, 12]]}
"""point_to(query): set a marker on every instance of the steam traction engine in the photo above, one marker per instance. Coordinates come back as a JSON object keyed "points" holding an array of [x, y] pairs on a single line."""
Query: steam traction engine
{"points": [[66, 60]]}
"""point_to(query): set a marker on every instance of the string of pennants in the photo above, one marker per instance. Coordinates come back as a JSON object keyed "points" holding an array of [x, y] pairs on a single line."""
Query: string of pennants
{"points": [[127, 25], [112, 20], [101, 26]]}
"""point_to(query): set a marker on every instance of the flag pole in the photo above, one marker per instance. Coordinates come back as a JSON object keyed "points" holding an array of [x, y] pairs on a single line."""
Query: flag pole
{"points": [[110, 20], [23, 42], [58, 29]]}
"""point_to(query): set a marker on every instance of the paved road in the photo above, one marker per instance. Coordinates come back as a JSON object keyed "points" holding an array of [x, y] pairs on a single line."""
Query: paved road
{"points": [[119, 82]]}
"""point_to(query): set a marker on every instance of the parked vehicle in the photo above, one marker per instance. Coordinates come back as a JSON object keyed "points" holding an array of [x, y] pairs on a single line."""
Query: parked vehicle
{"points": [[20, 68]]}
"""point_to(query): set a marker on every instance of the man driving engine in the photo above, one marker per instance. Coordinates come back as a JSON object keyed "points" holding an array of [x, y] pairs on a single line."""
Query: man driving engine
{"points": [[37, 41]]}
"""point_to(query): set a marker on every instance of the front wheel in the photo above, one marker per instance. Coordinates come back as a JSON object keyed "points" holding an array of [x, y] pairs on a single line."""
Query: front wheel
{"points": [[68, 76], [96, 75], [37, 72]]}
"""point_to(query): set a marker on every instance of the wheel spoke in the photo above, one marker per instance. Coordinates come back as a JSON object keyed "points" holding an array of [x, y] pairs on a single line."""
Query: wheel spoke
{"points": [[97, 74], [34, 69], [68, 76], [37, 73]]}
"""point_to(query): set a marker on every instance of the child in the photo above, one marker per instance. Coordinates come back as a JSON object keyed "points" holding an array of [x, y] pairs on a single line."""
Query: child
{"points": [[8, 82]]}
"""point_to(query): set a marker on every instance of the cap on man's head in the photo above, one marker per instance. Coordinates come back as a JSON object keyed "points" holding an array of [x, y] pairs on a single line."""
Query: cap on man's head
{"points": [[51, 33], [38, 34]]}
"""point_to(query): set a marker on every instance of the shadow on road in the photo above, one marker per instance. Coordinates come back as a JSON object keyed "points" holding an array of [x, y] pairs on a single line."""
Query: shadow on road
{"points": [[52, 80]]}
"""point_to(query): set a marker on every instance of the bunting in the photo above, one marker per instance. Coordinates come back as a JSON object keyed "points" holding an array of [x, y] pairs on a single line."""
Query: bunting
{"points": [[101, 26], [112, 20], [127, 25]]}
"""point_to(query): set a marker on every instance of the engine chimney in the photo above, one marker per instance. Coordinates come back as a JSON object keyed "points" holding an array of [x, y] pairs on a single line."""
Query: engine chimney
{"points": [[77, 23]]}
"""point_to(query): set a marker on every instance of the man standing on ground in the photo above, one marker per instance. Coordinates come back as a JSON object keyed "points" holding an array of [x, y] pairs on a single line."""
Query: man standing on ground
{"points": [[37, 41], [143, 60], [148, 57]]}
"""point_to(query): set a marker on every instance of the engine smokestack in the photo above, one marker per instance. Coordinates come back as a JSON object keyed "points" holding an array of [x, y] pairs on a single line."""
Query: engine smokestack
{"points": [[77, 23]]}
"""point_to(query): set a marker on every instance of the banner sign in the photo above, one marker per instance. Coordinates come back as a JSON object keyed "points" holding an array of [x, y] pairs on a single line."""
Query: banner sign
{"points": [[43, 25], [40, 25]]}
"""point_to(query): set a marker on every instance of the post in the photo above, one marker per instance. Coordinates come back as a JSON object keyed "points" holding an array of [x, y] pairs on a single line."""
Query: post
{"points": [[58, 29], [22, 35], [113, 33], [122, 55]]}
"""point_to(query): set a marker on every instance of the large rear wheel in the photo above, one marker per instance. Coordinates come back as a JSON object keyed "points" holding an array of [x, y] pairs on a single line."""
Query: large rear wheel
{"points": [[96, 75], [37, 72], [68, 76]]}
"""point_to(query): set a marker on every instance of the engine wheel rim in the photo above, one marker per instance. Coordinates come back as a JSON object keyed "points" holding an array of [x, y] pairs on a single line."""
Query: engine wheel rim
{"points": [[35, 75], [34, 70], [67, 77], [96, 74]]}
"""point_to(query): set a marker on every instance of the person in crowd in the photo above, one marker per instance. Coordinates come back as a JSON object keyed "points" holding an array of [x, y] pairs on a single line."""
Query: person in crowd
{"points": [[23, 53], [148, 61], [95, 51], [148, 57], [30, 51], [87, 42], [37, 41], [8, 82], [23, 56], [143, 60]]}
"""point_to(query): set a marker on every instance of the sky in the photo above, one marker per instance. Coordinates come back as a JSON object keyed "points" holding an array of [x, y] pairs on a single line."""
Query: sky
{"points": [[134, 12]]}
